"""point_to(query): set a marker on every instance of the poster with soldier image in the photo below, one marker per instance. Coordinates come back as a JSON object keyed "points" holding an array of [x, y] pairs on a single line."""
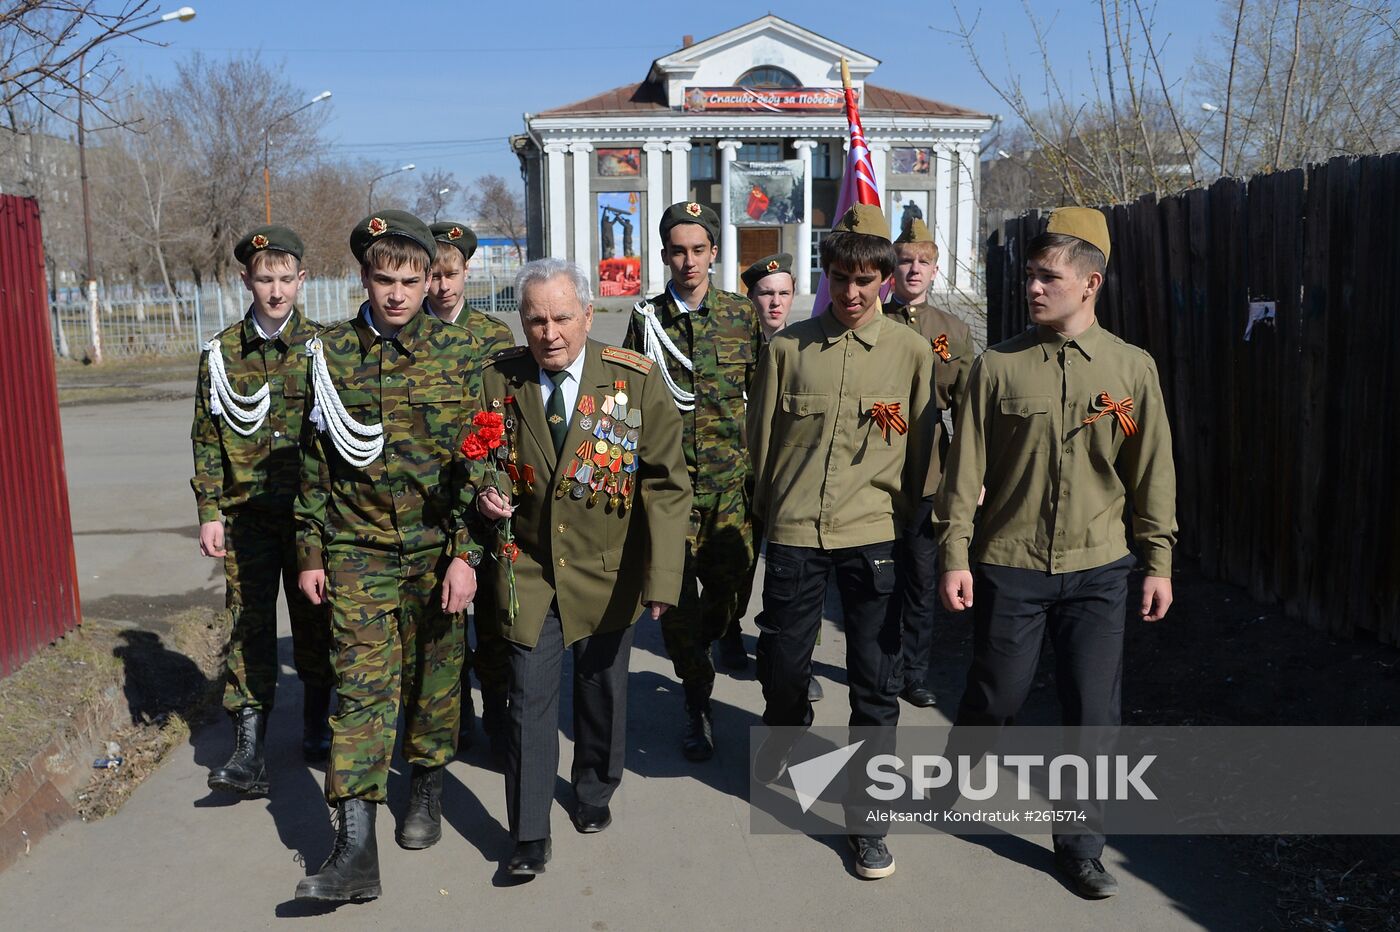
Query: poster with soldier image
{"points": [[619, 264], [765, 193], [906, 207]]}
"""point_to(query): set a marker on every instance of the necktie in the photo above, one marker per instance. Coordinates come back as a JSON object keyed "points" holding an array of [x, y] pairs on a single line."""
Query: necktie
{"points": [[554, 410]]}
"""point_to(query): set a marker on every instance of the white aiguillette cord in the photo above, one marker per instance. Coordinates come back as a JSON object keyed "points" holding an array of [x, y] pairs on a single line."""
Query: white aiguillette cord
{"points": [[357, 444], [243, 413], [656, 345]]}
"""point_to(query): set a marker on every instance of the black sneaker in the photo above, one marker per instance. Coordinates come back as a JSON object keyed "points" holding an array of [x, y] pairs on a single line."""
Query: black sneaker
{"points": [[1087, 876], [873, 858], [770, 761]]}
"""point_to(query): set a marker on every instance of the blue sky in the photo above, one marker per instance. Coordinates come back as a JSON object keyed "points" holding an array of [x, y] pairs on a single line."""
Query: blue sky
{"points": [[442, 84]]}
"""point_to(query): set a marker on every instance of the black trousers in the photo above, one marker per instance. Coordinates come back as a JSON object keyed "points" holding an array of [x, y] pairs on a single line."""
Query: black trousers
{"points": [[1082, 614], [919, 582], [794, 589], [600, 723]]}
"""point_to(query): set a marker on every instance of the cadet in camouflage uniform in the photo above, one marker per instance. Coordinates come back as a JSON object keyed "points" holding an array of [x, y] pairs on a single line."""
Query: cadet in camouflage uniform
{"points": [[248, 411], [916, 264], [705, 343], [447, 298], [380, 532]]}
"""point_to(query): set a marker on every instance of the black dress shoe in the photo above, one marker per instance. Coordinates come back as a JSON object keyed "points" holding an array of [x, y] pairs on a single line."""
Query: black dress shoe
{"points": [[589, 819], [529, 858], [1086, 876], [919, 696]]}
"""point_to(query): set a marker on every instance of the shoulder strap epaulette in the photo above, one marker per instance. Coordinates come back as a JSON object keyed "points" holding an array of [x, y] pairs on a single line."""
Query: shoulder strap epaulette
{"points": [[508, 353], [627, 358]]}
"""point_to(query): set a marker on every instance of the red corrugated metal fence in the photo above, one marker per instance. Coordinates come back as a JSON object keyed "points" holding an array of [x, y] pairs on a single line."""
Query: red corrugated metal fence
{"points": [[38, 571]]}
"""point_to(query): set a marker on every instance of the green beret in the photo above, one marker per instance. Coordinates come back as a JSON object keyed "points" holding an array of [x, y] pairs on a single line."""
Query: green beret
{"points": [[768, 265], [275, 237], [455, 234], [1084, 223], [915, 231], [690, 212], [866, 219], [391, 223]]}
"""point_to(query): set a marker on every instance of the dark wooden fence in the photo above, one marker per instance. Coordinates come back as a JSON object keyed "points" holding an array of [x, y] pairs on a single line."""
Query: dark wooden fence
{"points": [[1288, 444]]}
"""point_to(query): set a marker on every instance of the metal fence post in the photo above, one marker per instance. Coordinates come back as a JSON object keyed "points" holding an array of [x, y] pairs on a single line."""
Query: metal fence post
{"points": [[198, 320]]}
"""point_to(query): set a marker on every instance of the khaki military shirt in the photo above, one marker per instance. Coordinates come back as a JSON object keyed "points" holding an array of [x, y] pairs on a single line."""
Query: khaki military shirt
{"points": [[825, 473], [722, 339], [260, 471], [597, 552], [1054, 499], [951, 341], [407, 505]]}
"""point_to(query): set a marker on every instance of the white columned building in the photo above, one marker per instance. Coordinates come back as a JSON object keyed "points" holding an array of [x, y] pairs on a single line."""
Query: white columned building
{"points": [[700, 126]]}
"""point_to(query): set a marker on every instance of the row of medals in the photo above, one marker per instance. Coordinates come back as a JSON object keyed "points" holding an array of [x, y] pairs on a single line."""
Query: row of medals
{"points": [[605, 465]]}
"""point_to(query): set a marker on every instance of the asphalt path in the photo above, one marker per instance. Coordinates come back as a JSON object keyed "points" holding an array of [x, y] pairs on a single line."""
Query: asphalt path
{"points": [[678, 855]]}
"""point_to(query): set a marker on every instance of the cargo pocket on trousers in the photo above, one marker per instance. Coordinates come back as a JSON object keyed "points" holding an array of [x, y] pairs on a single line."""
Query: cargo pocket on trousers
{"points": [[884, 582]]}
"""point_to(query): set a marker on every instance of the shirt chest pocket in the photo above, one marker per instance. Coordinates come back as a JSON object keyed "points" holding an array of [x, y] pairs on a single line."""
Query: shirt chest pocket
{"points": [[805, 418], [735, 362], [294, 388], [1024, 424], [437, 407]]}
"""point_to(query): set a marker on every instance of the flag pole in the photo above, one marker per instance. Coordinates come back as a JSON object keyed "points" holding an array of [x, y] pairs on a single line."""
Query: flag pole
{"points": [[845, 75]]}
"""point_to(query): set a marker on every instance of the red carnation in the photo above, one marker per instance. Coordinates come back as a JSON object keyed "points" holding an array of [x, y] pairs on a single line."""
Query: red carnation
{"points": [[491, 419], [510, 550], [474, 447]]}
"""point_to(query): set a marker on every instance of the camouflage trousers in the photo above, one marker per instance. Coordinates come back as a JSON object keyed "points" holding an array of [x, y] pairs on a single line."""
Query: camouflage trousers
{"points": [[719, 557], [491, 659], [261, 554], [394, 646]]}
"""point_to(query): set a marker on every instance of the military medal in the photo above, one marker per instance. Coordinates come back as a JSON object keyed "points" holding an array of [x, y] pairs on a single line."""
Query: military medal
{"points": [[634, 419], [607, 404], [563, 488], [529, 472], [585, 422], [621, 395], [586, 404]]}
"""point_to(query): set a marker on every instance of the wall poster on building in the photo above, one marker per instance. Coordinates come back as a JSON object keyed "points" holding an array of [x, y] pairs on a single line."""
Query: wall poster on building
{"points": [[764, 193], [619, 163], [619, 264], [764, 99], [910, 161], [907, 206]]}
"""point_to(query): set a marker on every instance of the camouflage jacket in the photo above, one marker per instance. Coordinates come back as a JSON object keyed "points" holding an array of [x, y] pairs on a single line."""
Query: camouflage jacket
{"points": [[953, 353], [490, 331], [259, 471], [723, 340], [422, 385]]}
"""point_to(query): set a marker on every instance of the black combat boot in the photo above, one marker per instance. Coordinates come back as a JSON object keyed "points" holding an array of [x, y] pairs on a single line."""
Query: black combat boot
{"points": [[246, 771], [494, 721], [352, 870], [422, 823], [315, 724], [699, 741]]}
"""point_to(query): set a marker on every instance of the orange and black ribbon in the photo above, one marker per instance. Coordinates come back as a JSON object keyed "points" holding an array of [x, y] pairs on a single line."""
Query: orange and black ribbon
{"points": [[1122, 410], [888, 416], [940, 346]]}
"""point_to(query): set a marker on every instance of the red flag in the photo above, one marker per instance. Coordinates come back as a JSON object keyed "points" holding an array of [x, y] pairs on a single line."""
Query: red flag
{"points": [[857, 183]]}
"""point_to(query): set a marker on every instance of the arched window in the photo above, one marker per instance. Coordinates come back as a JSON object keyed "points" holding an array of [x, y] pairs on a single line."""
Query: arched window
{"points": [[767, 76]]}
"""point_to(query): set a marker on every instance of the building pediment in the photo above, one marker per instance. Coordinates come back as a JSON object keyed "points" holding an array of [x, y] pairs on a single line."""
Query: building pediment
{"points": [[721, 60]]}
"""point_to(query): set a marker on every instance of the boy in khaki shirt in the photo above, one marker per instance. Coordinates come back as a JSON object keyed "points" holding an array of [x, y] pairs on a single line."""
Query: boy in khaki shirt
{"points": [[1051, 421], [840, 424]]}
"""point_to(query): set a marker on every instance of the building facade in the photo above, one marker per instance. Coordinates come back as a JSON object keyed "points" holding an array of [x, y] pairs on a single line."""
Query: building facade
{"points": [[752, 123]]}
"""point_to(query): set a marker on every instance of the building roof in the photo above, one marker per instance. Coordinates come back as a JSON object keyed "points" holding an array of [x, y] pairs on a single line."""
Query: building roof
{"points": [[648, 96]]}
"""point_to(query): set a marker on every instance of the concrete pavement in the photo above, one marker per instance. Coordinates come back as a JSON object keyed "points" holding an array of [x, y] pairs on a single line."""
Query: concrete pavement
{"points": [[678, 855]]}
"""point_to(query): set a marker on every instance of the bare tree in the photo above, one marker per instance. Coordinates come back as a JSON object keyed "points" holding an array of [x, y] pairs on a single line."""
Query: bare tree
{"points": [[325, 200], [437, 191], [499, 208], [1303, 83]]}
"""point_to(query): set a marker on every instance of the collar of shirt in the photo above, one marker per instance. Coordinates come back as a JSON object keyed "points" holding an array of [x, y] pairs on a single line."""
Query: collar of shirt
{"points": [[253, 333], [681, 306], [867, 332], [404, 337], [1088, 342], [569, 386]]}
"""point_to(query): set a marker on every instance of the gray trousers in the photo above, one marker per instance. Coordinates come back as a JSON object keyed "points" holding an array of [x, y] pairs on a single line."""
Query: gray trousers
{"points": [[600, 723]]}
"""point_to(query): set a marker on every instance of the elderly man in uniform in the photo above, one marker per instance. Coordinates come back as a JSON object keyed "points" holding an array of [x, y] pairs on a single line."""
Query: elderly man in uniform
{"points": [[705, 343], [601, 496], [447, 298], [840, 420], [916, 265], [1065, 407], [248, 412], [382, 535]]}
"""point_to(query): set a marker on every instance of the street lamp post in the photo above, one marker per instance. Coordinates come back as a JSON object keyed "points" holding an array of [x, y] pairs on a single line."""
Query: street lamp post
{"points": [[184, 15], [267, 132], [438, 202], [369, 201]]}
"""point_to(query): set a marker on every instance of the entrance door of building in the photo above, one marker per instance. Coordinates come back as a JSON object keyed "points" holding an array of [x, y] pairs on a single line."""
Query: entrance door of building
{"points": [[757, 242]]}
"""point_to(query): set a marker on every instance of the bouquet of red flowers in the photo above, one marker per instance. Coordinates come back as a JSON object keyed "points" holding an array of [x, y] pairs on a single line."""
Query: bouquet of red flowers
{"points": [[488, 442]]}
